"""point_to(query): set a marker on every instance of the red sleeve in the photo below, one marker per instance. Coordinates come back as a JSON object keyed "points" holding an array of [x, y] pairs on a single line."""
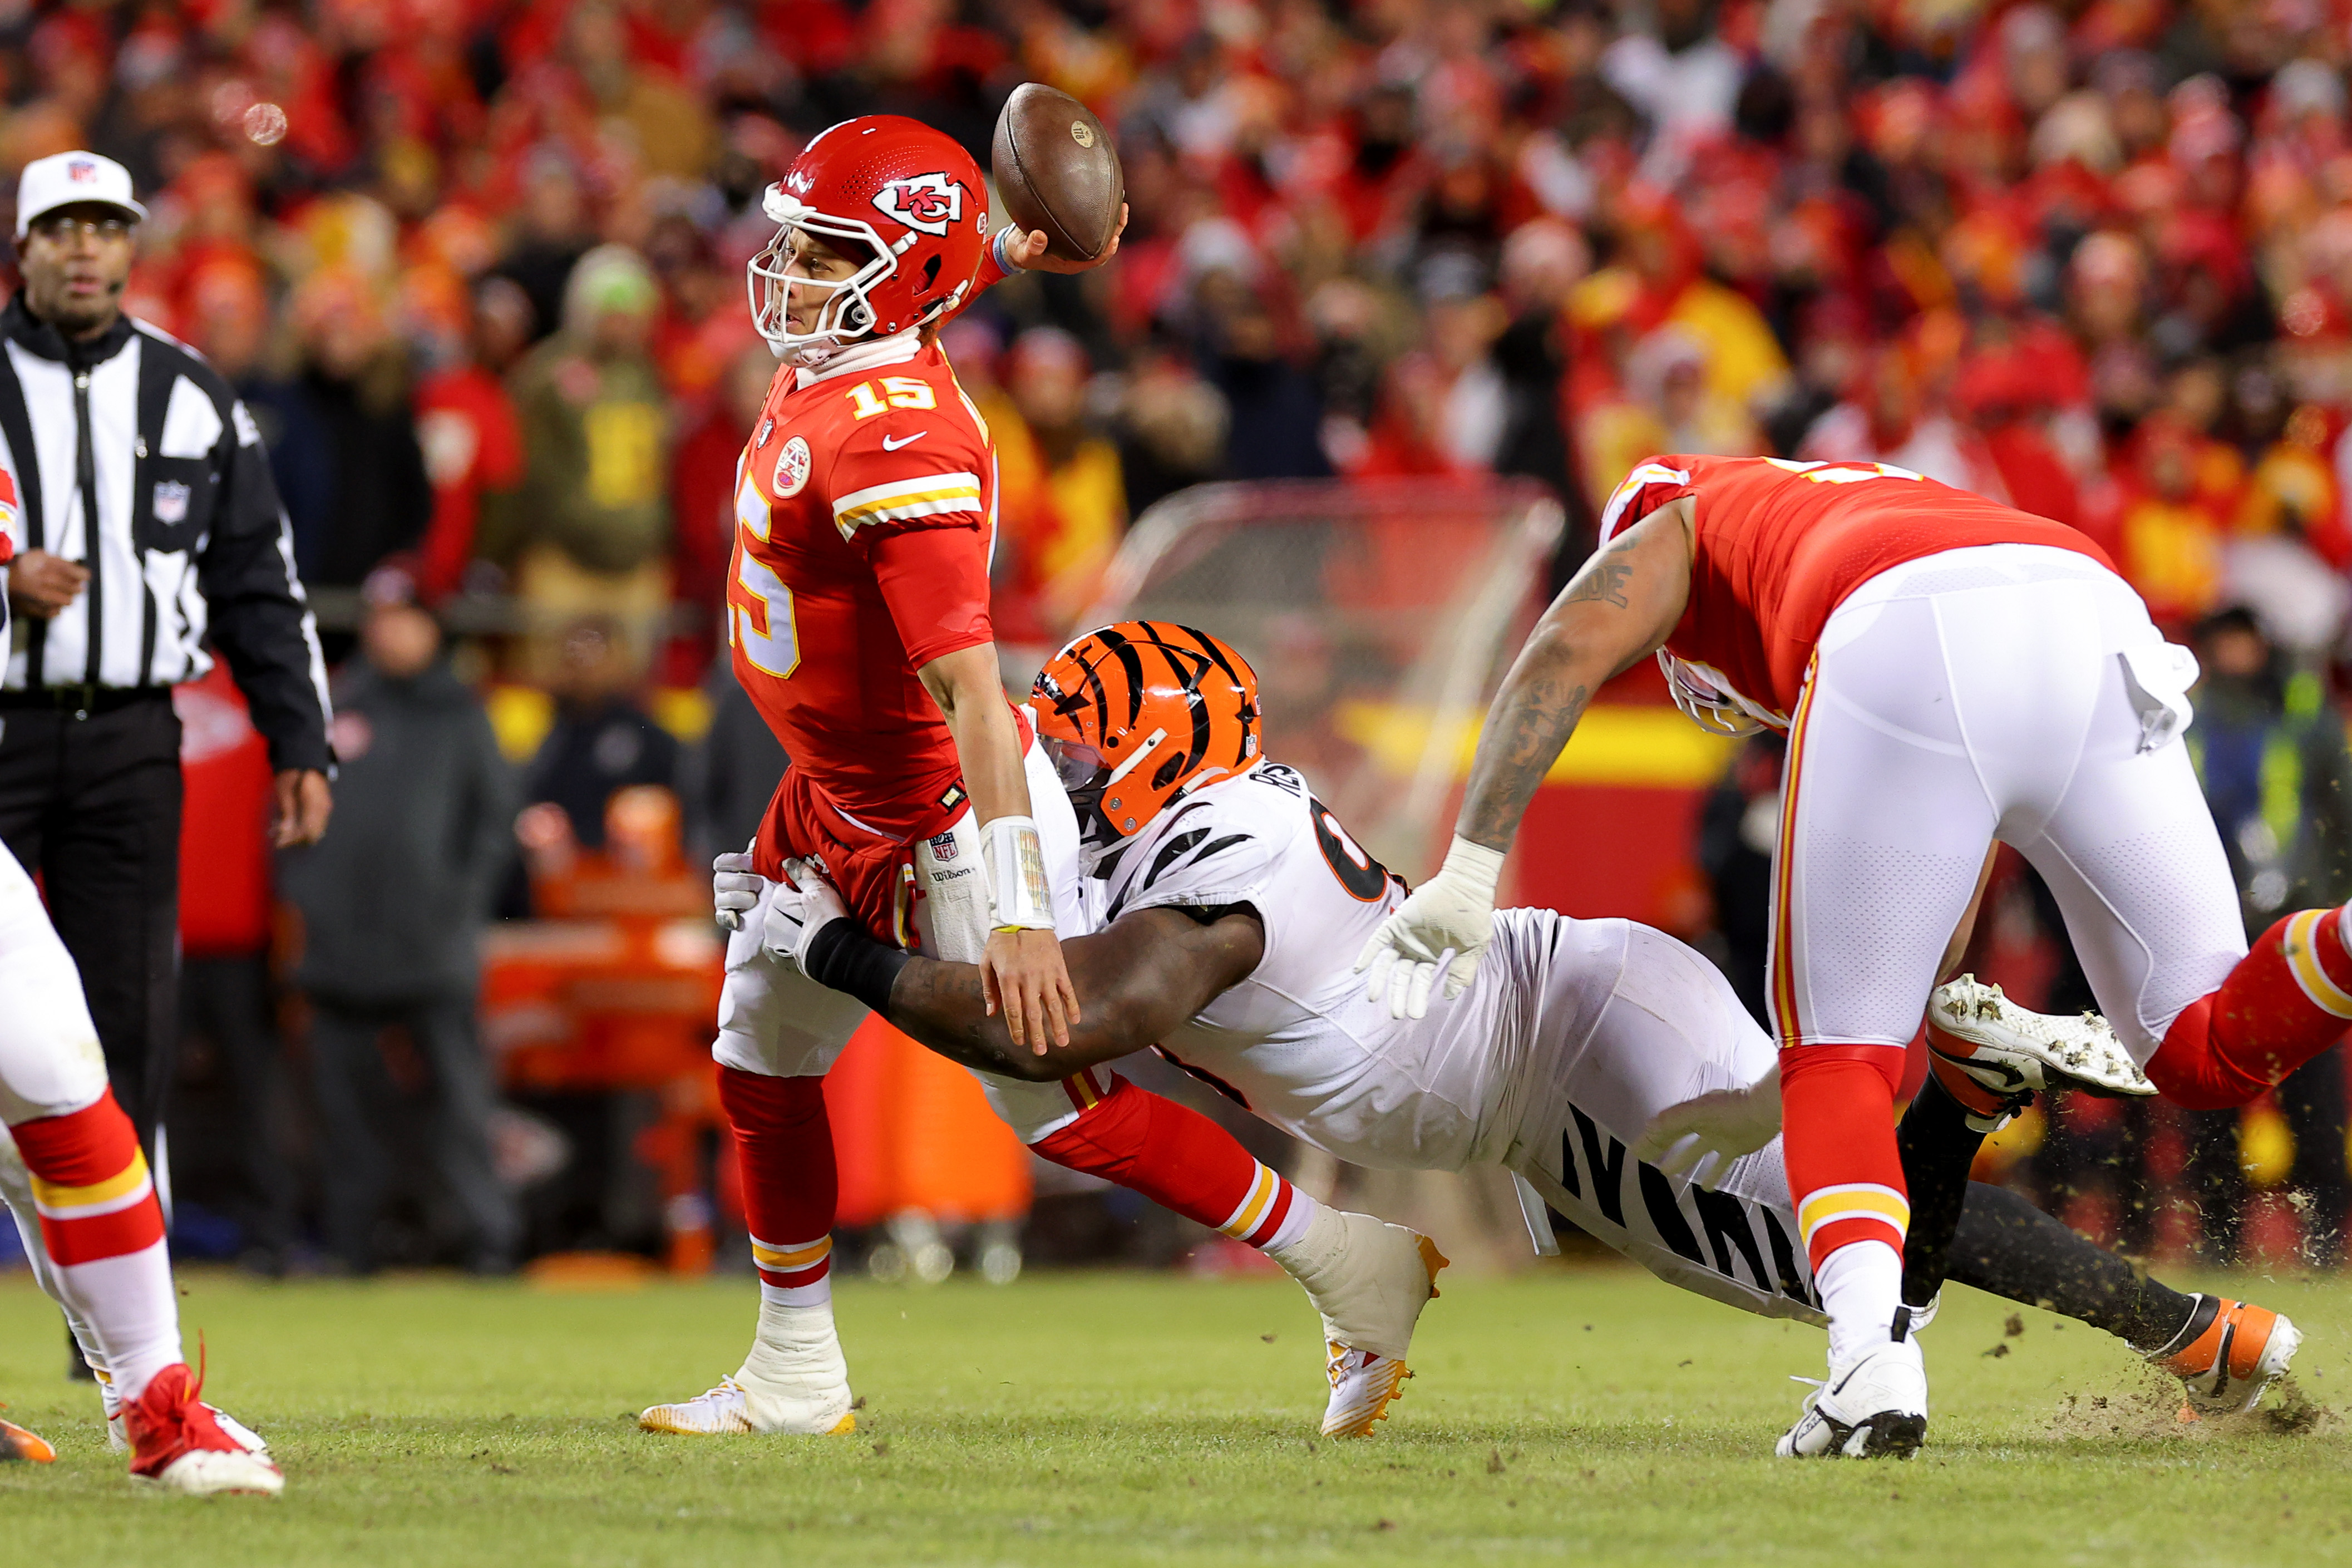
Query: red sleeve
{"points": [[913, 468], [1654, 482], [8, 518], [936, 582], [913, 489]]}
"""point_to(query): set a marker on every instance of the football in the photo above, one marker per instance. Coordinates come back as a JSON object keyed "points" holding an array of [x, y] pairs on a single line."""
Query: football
{"points": [[1055, 169]]}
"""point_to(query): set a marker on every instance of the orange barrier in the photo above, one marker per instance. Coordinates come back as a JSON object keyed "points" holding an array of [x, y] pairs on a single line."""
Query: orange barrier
{"points": [[913, 1131], [616, 987]]}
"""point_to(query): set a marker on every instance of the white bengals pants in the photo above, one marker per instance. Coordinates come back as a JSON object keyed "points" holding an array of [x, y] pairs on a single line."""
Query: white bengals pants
{"points": [[1625, 1022], [2010, 692], [774, 1019]]}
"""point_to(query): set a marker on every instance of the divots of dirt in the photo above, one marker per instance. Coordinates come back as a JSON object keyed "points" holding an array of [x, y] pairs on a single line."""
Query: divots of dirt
{"points": [[2291, 1411], [2154, 1409]]}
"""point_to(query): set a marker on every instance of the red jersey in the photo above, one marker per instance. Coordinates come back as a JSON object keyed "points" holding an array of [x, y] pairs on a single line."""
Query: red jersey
{"points": [[1777, 545], [865, 515]]}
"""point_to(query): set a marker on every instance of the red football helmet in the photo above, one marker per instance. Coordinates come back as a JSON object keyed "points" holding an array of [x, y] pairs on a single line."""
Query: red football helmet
{"points": [[895, 190]]}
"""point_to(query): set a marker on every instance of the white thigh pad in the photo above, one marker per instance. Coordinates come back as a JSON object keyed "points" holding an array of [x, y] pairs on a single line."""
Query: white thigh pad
{"points": [[774, 1019]]}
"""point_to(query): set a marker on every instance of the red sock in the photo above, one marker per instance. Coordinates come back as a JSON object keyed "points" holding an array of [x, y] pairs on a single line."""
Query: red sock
{"points": [[2288, 999], [790, 1185], [1182, 1161], [89, 1183], [1837, 1137]]}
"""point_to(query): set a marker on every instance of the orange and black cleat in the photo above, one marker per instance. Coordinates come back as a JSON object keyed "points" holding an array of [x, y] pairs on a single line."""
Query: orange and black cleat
{"points": [[19, 1447], [2227, 1354]]}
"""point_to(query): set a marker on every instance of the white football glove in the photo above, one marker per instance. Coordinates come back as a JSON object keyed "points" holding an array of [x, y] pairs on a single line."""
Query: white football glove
{"points": [[735, 889], [803, 905], [1702, 1136], [1445, 924]]}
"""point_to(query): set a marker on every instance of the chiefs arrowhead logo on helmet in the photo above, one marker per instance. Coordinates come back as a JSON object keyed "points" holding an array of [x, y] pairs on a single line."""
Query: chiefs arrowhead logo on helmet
{"points": [[929, 203]]}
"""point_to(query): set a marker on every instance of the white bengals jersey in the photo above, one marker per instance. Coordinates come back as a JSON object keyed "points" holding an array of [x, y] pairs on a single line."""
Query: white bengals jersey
{"points": [[1573, 1034]]}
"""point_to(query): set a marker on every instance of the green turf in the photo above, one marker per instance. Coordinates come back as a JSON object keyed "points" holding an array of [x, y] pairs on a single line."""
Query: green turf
{"points": [[1573, 1416]]}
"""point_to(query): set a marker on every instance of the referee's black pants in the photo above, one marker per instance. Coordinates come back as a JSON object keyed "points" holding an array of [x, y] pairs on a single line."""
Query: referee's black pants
{"points": [[89, 802]]}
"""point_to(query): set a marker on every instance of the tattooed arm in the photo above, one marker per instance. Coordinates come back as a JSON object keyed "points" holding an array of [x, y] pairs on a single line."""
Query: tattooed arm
{"points": [[1617, 610], [1620, 606]]}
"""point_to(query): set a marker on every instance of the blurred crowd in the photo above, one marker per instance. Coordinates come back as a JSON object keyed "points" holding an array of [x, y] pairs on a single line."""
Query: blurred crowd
{"points": [[476, 264], [476, 267]]}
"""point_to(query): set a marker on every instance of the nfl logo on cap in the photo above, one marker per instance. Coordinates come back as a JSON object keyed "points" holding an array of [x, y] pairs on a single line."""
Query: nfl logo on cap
{"points": [[73, 179]]}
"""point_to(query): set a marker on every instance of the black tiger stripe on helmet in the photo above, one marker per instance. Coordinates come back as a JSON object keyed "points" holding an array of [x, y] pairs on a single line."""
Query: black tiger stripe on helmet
{"points": [[1190, 716]]}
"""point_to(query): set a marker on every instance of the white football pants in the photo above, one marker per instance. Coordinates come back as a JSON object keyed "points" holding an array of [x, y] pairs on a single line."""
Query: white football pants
{"points": [[2012, 692], [50, 1064], [774, 1019]]}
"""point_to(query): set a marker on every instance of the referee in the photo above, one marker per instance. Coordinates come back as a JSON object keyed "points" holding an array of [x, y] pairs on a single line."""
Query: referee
{"points": [[148, 525]]}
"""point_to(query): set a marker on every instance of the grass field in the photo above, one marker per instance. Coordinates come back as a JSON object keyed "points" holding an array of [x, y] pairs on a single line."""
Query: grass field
{"points": [[1573, 1416]]}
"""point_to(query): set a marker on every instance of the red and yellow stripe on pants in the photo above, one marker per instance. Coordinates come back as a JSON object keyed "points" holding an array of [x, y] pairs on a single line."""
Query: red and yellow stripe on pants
{"points": [[91, 1184], [1837, 1098], [1786, 1015]]}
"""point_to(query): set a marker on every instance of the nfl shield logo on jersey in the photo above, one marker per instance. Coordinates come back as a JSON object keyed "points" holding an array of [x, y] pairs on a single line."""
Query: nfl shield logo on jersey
{"points": [[767, 428], [792, 467], [171, 501]]}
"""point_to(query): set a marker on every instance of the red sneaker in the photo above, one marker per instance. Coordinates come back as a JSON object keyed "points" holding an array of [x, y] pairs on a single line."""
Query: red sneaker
{"points": [[18, 1445], [177, 1445]]}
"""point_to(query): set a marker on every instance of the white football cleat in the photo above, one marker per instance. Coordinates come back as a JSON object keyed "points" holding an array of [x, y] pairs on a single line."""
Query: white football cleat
{"points": [[178, 1445], [2228, 1353], [1368, 1279], [795, 1383], [1362, 1384], [1875, 1407], [1993, 1054], [732, 1409]]}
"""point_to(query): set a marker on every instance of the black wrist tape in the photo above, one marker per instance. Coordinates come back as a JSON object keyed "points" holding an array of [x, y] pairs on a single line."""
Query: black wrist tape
{"points": [[844, 958]]}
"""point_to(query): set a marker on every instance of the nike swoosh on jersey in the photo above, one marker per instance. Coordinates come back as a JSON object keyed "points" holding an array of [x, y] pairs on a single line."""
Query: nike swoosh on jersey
{"points": [[890, 444]]}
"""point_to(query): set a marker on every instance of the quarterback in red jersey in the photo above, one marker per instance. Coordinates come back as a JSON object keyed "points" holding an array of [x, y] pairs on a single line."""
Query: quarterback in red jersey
{"points": [[1950, 673], [857, 610]]}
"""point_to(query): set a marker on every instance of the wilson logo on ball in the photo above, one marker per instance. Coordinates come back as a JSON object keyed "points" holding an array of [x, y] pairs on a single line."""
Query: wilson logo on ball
{"points": [[926, 203]]}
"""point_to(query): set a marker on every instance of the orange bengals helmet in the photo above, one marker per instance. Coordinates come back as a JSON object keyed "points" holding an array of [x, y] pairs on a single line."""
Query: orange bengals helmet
{"points": [[1137, 715]]}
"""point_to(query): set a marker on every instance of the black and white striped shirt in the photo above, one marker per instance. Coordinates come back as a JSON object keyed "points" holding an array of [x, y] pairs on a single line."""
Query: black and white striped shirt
{"points": [[134, 458]]}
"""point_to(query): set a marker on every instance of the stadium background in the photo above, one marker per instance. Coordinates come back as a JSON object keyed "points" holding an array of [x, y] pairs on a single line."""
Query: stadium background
{"points": [[2096, 259]]}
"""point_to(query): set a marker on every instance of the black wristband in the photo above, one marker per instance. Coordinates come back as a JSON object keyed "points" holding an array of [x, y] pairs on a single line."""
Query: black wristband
{"points": [[844, 958]]}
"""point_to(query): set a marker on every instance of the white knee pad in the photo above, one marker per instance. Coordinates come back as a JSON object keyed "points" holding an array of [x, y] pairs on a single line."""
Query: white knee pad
{"points": [[773, 1019]]}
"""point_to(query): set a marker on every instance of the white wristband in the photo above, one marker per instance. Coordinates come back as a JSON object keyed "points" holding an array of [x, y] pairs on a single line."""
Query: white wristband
{"points": [[1019, 898], [1005, 263], [1474, 865]]}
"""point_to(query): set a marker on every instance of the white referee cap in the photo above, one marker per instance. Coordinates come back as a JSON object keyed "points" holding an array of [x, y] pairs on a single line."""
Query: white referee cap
{"points": [[70, 179]]}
